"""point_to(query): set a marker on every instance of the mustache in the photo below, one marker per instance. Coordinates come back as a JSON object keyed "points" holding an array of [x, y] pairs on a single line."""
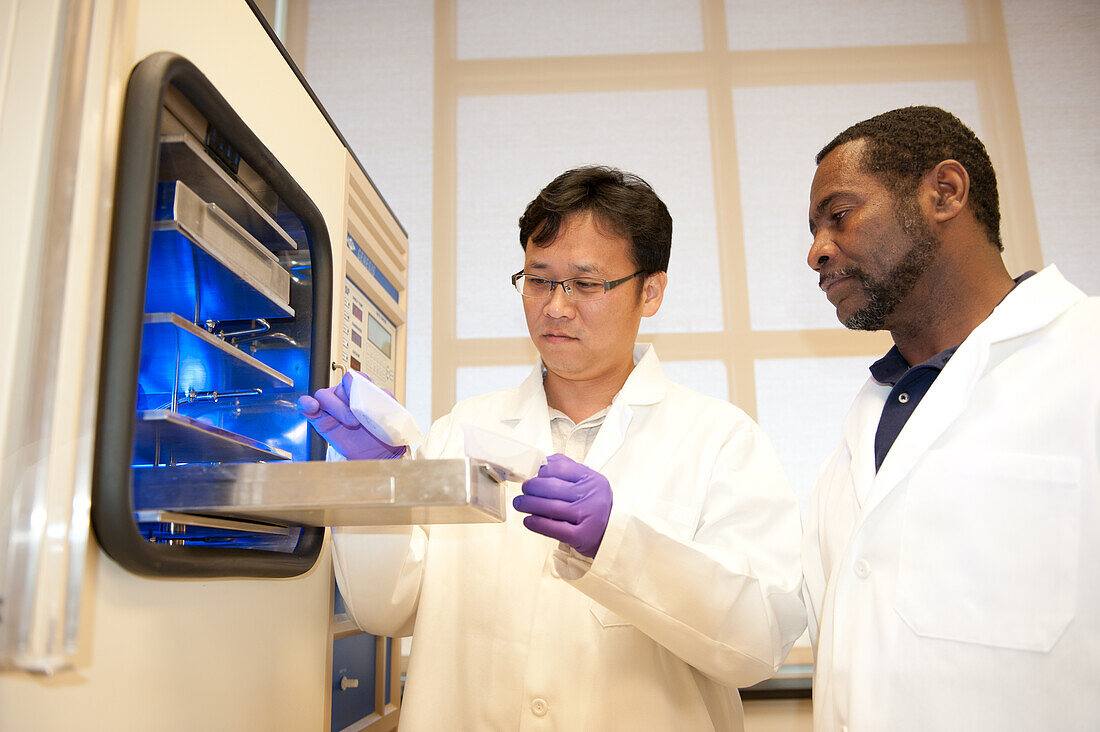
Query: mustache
{"points": [[855, 272]]}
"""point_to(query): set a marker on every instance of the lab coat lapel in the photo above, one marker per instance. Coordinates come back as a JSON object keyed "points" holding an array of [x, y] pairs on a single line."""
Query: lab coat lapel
{"points": [[939, 408], [529, 417], [646, 385], [859, 434], [1032, 305]]}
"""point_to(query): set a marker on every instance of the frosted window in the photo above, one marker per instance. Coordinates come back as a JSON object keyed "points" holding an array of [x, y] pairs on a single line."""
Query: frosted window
{"points": [[509, 147], [800, 404], [372, 66], [707, 377], [779, 130], [522, 28], [751, 24], [475, 380], [1056, 65]]}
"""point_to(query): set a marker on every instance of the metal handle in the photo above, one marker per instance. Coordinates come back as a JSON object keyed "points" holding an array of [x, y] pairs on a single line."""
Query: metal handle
{"points": [[346, 683]]}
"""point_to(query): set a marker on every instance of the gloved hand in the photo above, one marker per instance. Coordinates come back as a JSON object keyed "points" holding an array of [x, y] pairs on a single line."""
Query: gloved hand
{"points": [[328, 411], [569, 502]]}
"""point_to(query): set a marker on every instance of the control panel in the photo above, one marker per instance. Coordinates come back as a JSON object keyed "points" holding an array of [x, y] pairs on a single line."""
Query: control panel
{"points": [[368, 338]]}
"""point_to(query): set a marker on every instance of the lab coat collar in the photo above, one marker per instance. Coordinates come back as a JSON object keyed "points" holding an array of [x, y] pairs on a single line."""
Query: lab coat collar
{"points": [[529, 415], [1033, 304]]}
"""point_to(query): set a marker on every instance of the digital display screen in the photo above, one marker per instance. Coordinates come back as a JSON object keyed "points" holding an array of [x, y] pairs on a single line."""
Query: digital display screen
{"points": [[357, 338], [378, 335]]}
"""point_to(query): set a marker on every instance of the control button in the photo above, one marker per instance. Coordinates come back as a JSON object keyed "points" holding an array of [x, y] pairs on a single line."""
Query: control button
{"points": [[903, 397], [862, 568], [539, 707]]}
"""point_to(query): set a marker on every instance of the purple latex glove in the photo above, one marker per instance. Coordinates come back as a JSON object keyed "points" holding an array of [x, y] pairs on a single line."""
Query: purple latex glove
{"points": [[329, 412], [569, 502]]}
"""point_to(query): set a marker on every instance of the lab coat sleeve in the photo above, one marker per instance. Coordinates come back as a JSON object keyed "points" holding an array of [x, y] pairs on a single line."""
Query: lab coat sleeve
{"points": [[813, 569], [379, 569], [726, 599]]}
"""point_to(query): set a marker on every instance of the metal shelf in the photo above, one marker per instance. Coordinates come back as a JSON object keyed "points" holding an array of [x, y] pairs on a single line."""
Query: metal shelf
{"points": [[182, 157], [206, 267], [163, 437], [177, 356], [351, 493]]}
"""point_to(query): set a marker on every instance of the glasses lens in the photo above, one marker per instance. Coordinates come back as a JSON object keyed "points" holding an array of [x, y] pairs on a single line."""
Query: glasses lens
{"points": [[583, 288], [531, 286]]}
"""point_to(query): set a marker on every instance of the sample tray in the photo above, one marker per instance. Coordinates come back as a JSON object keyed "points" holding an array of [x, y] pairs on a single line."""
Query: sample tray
{"points": [[178, 356], [162, 437], [203, 266], [351, 493]]}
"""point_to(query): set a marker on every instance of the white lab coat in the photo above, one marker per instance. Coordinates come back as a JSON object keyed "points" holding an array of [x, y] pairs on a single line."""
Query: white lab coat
{"points": [[957, 588], [696, 586]]}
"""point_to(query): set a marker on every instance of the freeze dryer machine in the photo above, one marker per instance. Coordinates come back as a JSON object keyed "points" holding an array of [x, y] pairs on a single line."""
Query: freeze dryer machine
{"points": [[196, 248]]}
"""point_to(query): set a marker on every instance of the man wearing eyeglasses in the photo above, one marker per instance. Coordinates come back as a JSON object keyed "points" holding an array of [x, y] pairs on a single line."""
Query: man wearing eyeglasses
{"points": [[651, 567]]}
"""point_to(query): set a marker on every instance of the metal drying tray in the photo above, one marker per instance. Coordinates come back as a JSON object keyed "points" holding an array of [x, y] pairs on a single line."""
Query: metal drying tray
{"points": [[202, 259], [182, 157], [351, 493]]}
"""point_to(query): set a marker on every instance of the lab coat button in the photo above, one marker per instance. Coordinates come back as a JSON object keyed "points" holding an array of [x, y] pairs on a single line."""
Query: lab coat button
{"points": [[539, 707], [862, 568], [903, 397]]}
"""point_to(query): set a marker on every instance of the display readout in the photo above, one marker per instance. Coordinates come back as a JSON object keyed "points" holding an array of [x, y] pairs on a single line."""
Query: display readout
{"points": [[378, 335]]}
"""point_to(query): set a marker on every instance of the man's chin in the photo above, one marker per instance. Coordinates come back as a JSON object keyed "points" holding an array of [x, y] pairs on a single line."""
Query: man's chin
{"points": [[865, 319]]}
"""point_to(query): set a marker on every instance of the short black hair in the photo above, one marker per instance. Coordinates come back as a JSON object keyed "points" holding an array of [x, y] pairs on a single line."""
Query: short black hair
{"points": [[622, 202], [904, 144]]}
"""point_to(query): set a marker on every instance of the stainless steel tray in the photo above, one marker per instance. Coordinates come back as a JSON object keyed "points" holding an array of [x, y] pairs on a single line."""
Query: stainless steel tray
{"points": [[352, 493], [204, 266], [163, 437], [178, 356], [182, 158]]}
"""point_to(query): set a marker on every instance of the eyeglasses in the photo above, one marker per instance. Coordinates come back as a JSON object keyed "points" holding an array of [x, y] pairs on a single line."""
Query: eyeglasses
{"points": [[576, 288]]}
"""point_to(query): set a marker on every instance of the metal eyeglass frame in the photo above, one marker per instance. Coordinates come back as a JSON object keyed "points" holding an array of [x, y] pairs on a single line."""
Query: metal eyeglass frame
{"points": [[565, 284]]}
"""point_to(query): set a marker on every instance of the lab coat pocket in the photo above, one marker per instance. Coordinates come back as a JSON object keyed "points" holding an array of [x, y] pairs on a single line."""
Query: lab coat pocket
{"points": [[989, 548]]}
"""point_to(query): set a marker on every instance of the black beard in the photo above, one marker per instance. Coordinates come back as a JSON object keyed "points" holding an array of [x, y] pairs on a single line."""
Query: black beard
{"points": [[884, 295]]}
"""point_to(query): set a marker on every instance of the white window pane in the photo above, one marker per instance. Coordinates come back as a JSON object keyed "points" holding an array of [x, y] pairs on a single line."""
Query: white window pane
{"points": [[372, 66], [800, 404], [535, 28], [779, 131], [473, 381], [752, 24], [1056, 66], [706, 377], [509, 147]]}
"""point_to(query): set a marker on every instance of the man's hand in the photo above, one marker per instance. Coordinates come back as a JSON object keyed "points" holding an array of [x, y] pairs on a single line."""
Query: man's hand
{"points": [[328, 411], [569, 502]]}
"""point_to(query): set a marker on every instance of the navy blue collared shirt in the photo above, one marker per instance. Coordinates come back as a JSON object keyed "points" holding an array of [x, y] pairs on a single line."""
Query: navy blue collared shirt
{"points": [[910, 384]]}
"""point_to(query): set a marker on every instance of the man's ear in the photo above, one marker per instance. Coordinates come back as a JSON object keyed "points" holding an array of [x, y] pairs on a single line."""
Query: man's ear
{"points": [[947, 187], [653, 293]]}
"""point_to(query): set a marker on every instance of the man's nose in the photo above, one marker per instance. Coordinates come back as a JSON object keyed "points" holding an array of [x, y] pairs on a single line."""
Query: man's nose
{"points": [[559, 305], [821, 251]]}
